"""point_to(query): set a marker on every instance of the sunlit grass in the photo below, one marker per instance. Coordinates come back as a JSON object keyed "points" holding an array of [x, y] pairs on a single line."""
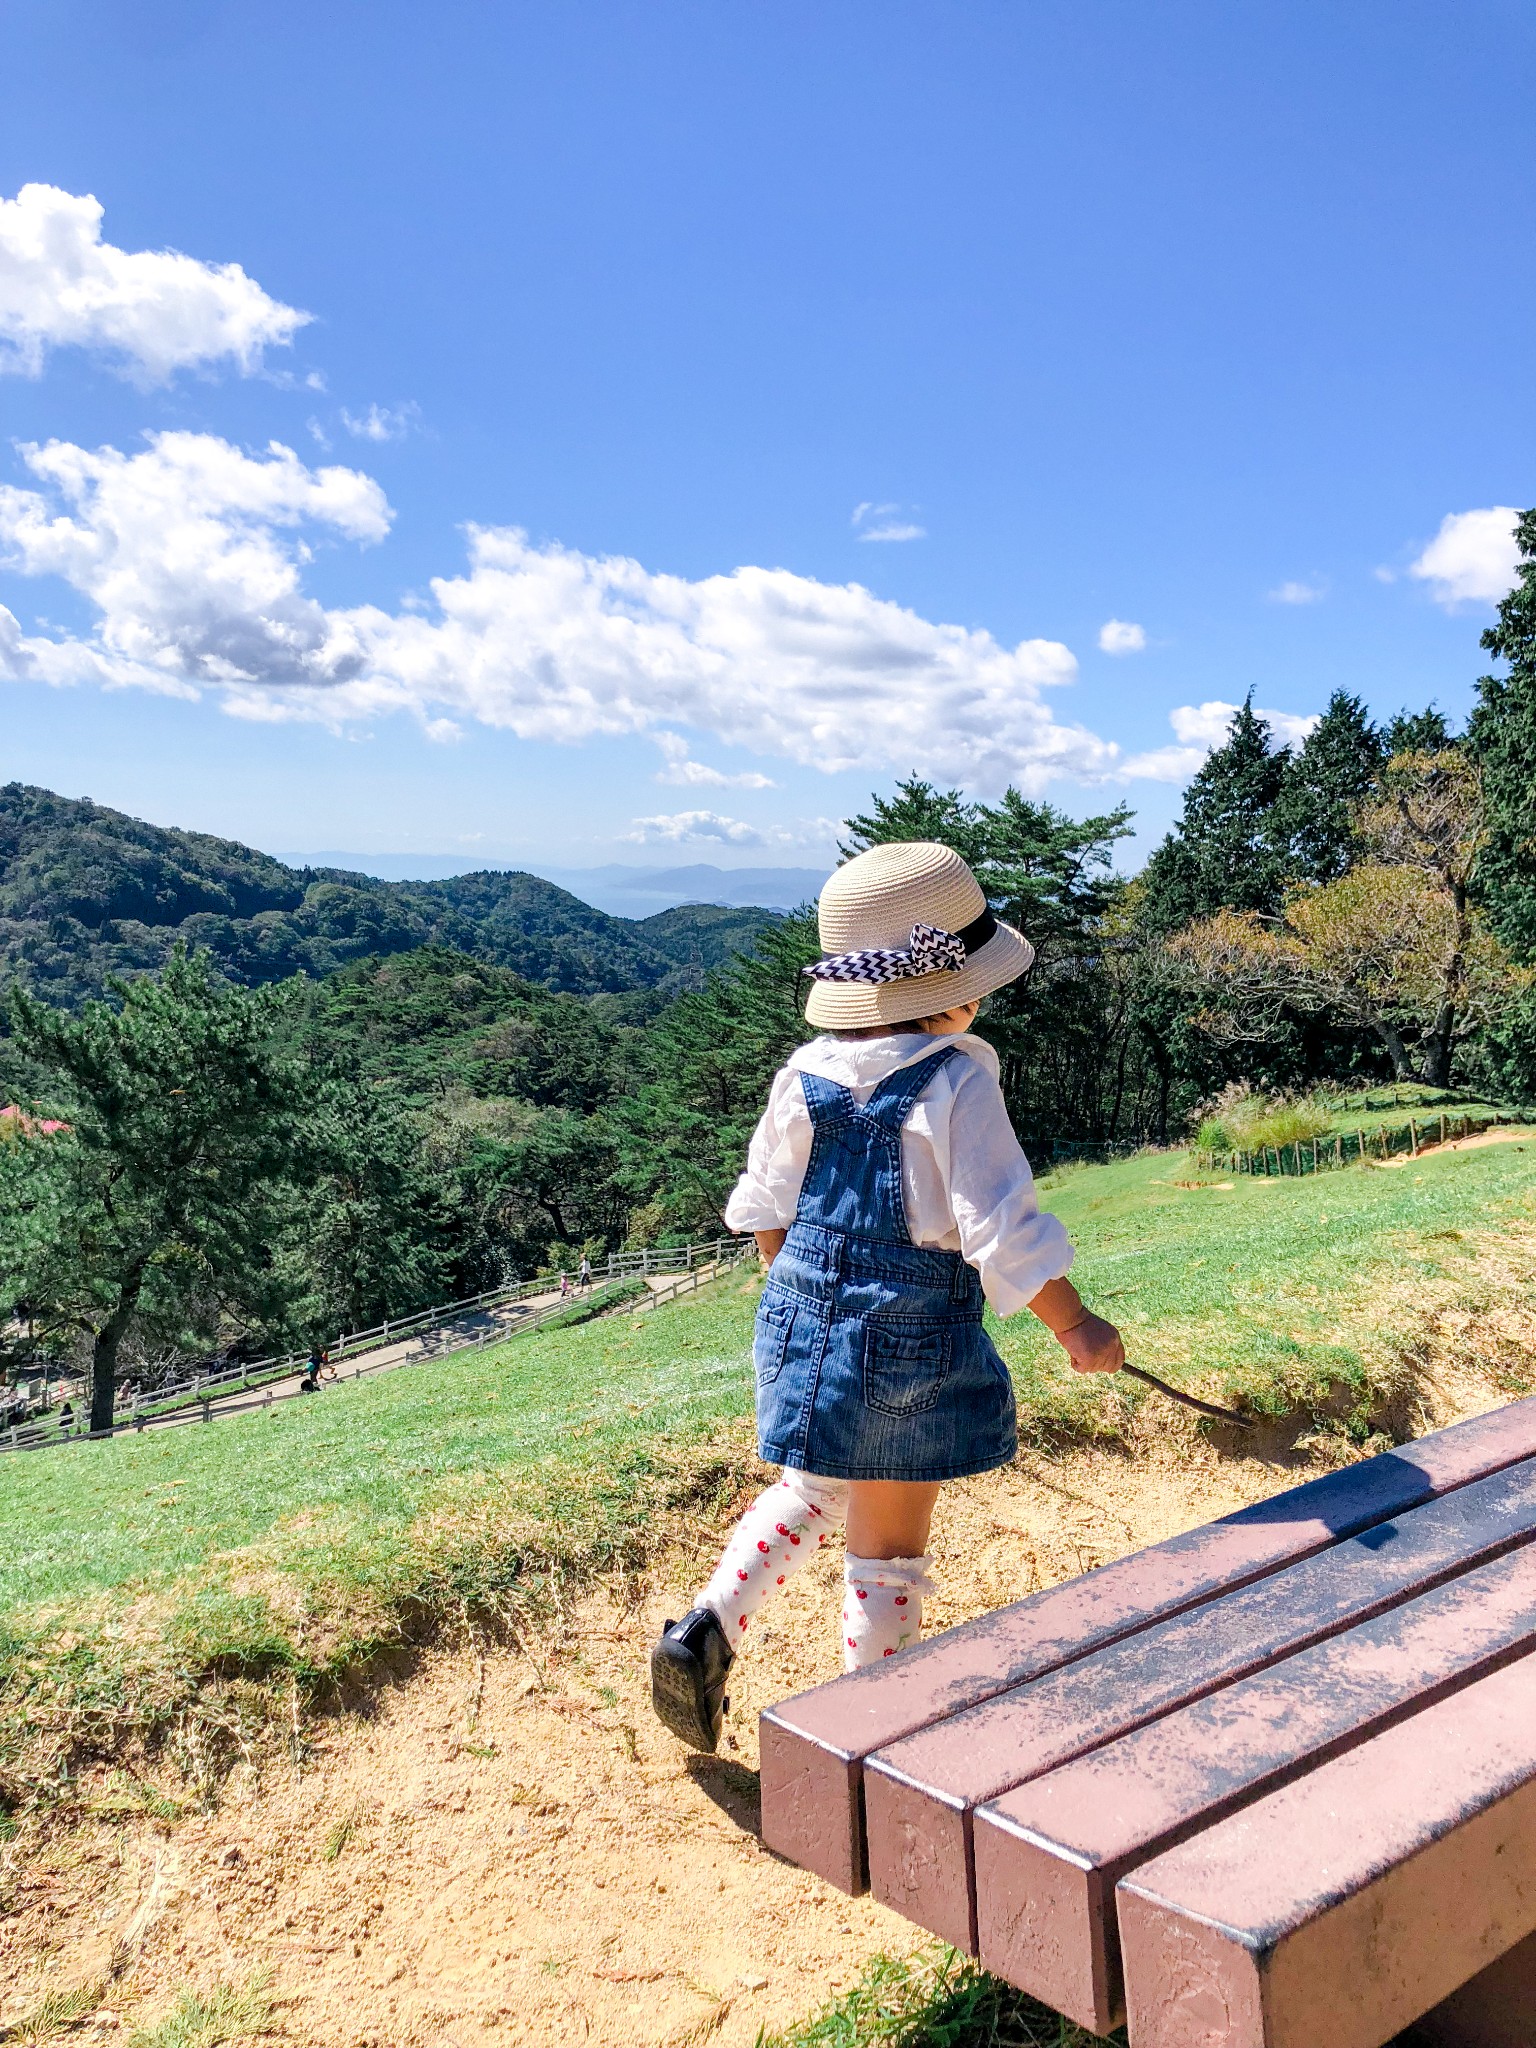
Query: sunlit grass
{"points": [[932, 1998]]}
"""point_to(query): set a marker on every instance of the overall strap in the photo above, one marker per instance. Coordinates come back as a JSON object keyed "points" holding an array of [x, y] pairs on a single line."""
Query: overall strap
{"points": [[892, 1101], [829, 1102]]}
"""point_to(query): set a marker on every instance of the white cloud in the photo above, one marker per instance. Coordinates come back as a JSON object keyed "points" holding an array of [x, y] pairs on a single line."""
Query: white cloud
{"points": [[62, 286], [1120, 636], [1200, 727], [192, 553], [804, 834], [382, 422], [1472, 559], [886, 526], [681, 825], [684, 772], [1298, 593]]}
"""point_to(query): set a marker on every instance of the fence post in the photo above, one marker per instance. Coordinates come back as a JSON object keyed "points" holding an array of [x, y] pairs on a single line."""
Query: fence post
{"points": [[1413, 1137]]}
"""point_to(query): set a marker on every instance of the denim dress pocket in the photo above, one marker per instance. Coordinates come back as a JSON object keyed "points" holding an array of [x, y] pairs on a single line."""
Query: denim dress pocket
{"points": [[770, 1338], [906, 1363]]}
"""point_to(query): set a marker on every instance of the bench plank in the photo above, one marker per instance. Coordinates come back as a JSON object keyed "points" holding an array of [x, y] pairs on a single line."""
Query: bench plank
{"points": [[813, 1746], [1048, 1856], [1342, 1907], [920, 1793]]}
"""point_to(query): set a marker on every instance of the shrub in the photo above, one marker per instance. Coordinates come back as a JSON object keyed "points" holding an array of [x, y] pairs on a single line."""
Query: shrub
{"points": [[1242, 1120]]}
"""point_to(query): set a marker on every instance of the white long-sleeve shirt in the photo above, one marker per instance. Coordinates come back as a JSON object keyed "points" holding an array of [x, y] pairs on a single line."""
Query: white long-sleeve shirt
{"points": [[965, 1182]]}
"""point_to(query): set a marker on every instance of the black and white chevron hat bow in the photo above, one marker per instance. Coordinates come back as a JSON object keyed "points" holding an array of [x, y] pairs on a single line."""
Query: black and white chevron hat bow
{"points": [[931, 950]]}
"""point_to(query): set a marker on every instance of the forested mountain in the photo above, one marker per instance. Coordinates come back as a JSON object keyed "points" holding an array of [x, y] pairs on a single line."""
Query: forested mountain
{"points": [[86, 892]]}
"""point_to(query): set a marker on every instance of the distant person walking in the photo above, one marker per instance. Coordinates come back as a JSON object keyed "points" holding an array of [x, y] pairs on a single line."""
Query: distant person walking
{"points": [[565, 1286], [584, 1275]]}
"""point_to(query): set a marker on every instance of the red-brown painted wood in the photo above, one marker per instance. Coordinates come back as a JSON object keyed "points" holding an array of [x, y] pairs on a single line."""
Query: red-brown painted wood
{"points": [[1495, 2009], [1335, 1912], [1048, 1856], [920, 1793], [814, 1745]]}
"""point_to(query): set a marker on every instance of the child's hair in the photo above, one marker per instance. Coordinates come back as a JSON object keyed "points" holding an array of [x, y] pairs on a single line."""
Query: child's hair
{"points": [[918, 1024]]}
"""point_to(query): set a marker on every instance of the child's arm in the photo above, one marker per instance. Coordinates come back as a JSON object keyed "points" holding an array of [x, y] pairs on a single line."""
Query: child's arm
{"points": [[1092, 1344], [769, 1244]]}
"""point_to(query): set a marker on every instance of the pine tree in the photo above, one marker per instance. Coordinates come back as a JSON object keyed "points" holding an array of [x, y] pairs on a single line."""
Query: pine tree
{"points": [[1223, 854], [919, 811], [181, 1107], [1323, 788], [1501, 737]]}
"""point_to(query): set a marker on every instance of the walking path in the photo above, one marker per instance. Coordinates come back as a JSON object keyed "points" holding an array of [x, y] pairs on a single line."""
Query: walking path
{"points": [[478, 1326]]}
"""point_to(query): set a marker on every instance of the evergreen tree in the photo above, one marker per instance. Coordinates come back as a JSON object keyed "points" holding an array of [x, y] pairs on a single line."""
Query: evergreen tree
{"points": [[1418, 732], [919, 811], [1323, 788], [1501, 737], [181, 1107], [1223, 853]]}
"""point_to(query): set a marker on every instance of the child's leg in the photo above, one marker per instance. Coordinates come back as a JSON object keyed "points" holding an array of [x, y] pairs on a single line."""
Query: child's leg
{"points": [[886, 1569], [783, 1527]]}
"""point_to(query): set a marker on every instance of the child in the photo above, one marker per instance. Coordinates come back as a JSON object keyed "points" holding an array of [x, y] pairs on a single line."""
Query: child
{"points": [[890, 1198]]}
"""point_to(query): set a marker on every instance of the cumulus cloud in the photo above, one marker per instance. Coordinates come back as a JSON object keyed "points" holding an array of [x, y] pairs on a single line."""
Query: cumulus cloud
{"points": [[684, 772], [885, 522], [1201, 727], [192, 552], [382, 422], [1472, 559], [681, 826], [1120, 636], [154, 310], [1297, 593]]}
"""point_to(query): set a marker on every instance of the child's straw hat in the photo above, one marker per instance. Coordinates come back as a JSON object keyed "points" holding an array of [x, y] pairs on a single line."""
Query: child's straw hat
{"points": [[906, 932]]}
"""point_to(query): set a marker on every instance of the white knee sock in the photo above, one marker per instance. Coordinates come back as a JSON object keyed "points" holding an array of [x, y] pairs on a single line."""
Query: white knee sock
{"points": [[783, 1527], [882, 1606]]}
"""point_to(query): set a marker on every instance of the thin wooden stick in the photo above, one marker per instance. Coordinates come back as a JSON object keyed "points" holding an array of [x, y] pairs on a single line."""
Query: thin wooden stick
{"points": [[1150, 1379]]}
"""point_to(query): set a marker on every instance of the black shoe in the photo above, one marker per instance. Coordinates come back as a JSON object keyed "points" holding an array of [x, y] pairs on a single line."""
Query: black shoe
{"points": [[688, 1672]]}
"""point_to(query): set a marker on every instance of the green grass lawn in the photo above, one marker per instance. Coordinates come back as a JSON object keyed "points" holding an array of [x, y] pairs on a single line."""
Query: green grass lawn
{"points": [[301, 1538]]}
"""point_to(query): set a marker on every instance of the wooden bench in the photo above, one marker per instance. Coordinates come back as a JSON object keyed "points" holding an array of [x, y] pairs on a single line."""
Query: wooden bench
{"points": [[1039, 1783]]}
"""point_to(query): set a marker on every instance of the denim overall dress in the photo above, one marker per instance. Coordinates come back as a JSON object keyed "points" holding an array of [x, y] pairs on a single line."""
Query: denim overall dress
{"points": [[870, 1355]]}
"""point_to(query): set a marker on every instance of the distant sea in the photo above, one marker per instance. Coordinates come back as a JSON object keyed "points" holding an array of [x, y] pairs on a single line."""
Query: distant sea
{"points": [[621, 891]]}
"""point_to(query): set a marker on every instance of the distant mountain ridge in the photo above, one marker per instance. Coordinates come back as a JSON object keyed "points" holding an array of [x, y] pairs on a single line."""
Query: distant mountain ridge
{"points": [[86, 892], [633, 892]]}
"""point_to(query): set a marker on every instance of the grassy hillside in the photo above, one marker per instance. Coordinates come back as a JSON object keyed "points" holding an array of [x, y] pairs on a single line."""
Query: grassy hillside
{"points": [[300, 1540], [86, 891]]}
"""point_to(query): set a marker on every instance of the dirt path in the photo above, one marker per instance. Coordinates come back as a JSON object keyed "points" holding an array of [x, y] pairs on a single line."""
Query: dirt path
{"points": [[508, 1849]]}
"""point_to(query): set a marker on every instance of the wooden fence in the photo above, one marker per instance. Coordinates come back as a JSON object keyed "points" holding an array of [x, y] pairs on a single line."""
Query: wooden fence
{"points": [[1347, 1148], [613, 1281]]}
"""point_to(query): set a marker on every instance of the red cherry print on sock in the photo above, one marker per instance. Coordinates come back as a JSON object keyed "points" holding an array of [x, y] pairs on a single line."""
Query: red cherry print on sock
{"points": [[781, 1528], [742, 1623], [852, 1644], [860, 1594], [888, 1653], [781, 1578], [763, 1548], [742, 1576], [793, 1539], [901, 1599]]}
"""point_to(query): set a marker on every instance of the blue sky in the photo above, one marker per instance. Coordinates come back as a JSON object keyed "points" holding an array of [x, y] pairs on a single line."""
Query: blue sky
{"points": [[1197, 320]]}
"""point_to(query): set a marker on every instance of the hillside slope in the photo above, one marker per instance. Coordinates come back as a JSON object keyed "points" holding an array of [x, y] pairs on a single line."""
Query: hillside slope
{"points": [[86, 891]]}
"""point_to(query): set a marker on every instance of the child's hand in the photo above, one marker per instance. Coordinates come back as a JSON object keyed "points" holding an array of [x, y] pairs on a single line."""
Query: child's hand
{"points": [[1093, 1345]]}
